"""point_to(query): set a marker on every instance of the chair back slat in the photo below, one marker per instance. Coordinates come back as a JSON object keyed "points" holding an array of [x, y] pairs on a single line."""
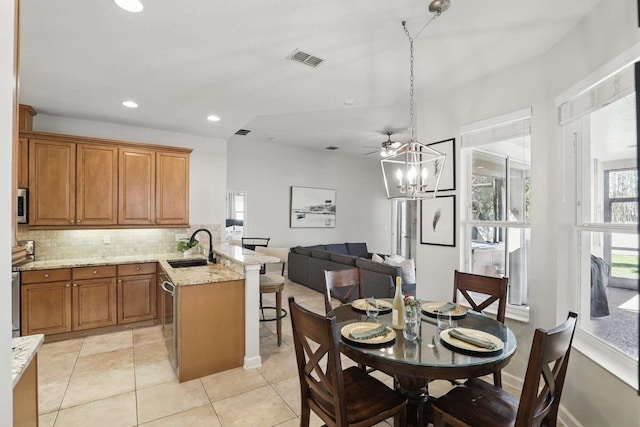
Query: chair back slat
{"points": [[547, 363], [494, 288], [316, 340], [344, 285]]}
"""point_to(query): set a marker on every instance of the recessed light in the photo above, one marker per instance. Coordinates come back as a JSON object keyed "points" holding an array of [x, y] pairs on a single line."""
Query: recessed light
{"points": [[130, 104], [213, 118], [134, 6], [349, 101]]}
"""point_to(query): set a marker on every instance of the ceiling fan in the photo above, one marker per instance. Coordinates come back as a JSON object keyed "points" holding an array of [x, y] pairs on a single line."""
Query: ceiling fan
{"points": [[387, 148]]}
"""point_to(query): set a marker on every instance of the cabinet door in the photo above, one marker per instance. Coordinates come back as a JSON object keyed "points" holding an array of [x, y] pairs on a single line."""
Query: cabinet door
{"points": [[172, 188], [23, 163], [94, 303], [136, 191], [46, 308], [97, 184], [52, 182], [136, 298]]}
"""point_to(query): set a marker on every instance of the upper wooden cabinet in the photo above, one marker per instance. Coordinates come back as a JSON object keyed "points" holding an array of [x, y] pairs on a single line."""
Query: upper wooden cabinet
{"points": [[52, 182], [23, 163], [97, 183], [136, 186], [78, 181], [172, 188]]}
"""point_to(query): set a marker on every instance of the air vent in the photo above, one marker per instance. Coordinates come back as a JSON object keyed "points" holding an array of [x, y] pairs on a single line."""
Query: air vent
{"points": [[242, 132], [331, 148], [305, 58]]}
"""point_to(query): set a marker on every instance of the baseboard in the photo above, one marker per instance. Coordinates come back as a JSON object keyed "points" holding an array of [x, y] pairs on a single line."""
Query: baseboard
{"points": [[563, 415]]}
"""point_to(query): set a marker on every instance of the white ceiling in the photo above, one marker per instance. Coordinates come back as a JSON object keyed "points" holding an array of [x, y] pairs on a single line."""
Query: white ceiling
{"points": [[184, 60]]}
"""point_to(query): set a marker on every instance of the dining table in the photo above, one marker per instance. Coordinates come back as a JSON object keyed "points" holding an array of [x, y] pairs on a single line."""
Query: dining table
{"points": [[414, 363]]}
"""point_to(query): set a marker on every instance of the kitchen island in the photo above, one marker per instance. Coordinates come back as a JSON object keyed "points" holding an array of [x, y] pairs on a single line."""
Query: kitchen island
{"points": [[24, 372]]}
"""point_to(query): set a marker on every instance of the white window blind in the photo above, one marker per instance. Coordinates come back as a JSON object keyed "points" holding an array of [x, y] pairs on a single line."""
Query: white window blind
{"points": [[497, 129], [597, 96]]}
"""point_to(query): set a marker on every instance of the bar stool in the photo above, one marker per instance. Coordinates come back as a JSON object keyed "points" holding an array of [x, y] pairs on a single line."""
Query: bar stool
{"points": [[273, 283]]}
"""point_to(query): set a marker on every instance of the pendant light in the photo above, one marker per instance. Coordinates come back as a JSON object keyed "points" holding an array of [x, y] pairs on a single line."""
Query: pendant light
{"points": [[413, 171]]}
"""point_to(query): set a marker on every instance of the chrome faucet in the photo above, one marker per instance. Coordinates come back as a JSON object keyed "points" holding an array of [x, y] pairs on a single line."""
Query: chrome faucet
{"points": [[192, 240]]}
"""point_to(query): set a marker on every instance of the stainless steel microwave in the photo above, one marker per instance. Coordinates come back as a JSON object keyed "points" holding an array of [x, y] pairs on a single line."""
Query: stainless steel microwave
{"points": [[23, 201]]}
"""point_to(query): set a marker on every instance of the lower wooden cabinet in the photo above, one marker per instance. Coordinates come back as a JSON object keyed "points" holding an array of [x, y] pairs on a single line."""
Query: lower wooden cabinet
{"points": [[137, 292], [93, 303], [46, 308]]}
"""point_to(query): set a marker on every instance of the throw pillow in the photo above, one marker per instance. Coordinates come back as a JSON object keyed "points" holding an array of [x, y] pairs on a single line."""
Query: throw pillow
{"points": [[408, 267], [376, 258]]}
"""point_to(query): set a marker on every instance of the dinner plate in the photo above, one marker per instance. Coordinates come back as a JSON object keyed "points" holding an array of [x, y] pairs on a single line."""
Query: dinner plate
{"points": [[467, 348], [431, 310], [361, 305], [380, 340]]}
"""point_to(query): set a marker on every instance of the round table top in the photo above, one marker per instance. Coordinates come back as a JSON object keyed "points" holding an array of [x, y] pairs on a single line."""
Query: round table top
{"points": [[428, 357]]}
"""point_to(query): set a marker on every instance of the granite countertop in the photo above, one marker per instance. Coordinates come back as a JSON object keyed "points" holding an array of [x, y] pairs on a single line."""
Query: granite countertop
{"points": [[94, 261], [24, 350], [243, 256], [210, 273]]}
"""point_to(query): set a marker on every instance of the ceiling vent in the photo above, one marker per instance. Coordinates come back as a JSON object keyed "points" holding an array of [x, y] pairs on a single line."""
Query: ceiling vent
{"points": [[331, 148], [242, 132], [305, 58]]}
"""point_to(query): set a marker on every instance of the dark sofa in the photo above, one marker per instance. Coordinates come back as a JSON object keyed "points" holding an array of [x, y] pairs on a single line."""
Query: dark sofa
{"points": [[307, 264]]}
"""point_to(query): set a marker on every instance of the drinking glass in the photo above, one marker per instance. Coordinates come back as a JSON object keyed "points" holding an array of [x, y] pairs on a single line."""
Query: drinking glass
{"points": [[411, 329], [444, 319], [372, 308]]}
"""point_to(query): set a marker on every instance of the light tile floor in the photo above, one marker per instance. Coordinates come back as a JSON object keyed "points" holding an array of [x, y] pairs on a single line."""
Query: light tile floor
{"points": [[125, 379]]}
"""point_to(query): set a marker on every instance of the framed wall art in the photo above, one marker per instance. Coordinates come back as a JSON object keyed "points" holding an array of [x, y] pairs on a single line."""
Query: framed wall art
{"points": [[448, 177], [438, 221], [312, 208]]}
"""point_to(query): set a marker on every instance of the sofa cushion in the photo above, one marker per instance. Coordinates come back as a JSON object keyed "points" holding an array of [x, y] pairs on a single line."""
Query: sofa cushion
{"points": [[340, 248], [367, 264], [358, 249], [344, 259], [306, 250], [377, 258], [321, 254]]}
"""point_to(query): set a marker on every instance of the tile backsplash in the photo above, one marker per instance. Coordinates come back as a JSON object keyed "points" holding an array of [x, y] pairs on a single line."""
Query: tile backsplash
{"points": [[66, 244]]}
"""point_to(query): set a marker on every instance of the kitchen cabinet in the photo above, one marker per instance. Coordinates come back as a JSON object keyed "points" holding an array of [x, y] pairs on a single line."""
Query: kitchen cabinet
{"points": [[52, 182], [96, 184], [210, 328], [172, 188], [93, 297], [136, 186], [23, 163], [46, 301], [25, 397], [137, 299]]}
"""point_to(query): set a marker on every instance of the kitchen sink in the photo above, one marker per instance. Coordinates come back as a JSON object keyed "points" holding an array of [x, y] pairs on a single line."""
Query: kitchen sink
{"points": [[181, 263]]}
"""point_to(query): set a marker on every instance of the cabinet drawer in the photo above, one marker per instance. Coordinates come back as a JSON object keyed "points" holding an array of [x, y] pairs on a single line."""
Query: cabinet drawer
{"points": [[94, 272], [43, 276], [133, 269]]}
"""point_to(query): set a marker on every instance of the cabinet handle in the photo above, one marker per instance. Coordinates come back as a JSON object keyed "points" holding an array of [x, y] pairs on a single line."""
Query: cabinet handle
{"points": [[71, 221], [120, 281], [137, 268], [46, 275], [67, 285], [95, 272], [75, 285], [79, 221]]}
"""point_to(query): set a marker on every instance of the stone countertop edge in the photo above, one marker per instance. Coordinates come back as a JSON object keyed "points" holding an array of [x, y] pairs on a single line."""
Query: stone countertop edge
{"points": [[24, 351], [243, 256]]}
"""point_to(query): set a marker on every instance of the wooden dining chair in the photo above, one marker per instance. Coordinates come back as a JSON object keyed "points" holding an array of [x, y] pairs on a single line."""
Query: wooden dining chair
{"points": [[478, 403], [487, 290], [340, 398], [344, 285]]}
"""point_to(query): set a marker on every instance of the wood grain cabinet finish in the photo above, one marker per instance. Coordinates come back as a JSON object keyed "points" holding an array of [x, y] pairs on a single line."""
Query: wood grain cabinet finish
{"points": [[23, 163], [96, 184], [46, 301], [93, 297], [137, 296], [136, 187], [52, 182], [172, 188]]}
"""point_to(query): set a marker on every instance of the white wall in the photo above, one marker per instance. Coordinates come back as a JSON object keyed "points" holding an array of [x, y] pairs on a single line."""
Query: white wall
{"points": [[6, 137], [592, 395], [207, 179], [266, 171]]}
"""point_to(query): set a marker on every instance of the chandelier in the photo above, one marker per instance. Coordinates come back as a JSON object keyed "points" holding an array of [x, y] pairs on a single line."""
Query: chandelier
{"points": [[413, 170]]}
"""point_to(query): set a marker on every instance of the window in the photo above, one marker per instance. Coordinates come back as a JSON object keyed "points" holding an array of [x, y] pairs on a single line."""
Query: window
{"points": [[600, 122], [498, 201]]}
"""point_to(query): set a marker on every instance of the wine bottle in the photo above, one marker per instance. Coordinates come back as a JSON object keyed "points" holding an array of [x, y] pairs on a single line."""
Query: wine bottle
{"points": [[397, 313]]}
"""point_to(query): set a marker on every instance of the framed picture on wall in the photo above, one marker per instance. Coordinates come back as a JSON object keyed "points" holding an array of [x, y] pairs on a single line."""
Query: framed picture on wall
{"points": [[312, 208], [448, 177], [438, 221]]}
